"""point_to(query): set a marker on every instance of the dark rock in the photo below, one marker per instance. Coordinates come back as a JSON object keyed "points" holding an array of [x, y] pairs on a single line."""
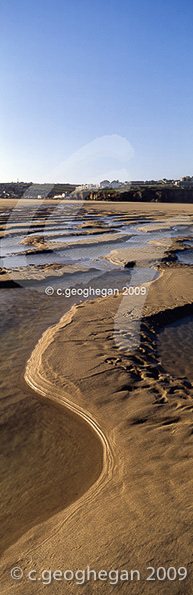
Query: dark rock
{"points": [[130, 264]]}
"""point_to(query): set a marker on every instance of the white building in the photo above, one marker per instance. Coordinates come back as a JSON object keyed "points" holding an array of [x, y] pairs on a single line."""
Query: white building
{"points": [[115, 184], [105, 184]]}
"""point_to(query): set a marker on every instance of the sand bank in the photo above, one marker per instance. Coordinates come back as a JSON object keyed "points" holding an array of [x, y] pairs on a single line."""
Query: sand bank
{"points": [[118, 425], [141, 513]]}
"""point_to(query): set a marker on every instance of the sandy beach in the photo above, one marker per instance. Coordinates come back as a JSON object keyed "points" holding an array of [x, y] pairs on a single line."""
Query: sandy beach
{"points": [[97, 415]]}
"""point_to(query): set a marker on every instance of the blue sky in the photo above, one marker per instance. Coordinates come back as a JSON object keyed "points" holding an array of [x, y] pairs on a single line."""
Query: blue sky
{"points": [[73, 72]]}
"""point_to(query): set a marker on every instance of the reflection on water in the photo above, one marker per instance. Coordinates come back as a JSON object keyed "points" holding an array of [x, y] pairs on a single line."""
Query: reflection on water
{"points": [[175, 345], [185, 256]]}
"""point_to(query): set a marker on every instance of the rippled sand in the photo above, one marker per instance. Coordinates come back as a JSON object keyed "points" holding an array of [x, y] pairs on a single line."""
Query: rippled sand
{"points": [[97, 458], [175, 345]]}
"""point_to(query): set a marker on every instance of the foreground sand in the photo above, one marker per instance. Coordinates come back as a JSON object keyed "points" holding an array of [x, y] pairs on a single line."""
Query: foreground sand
{"points": [[98, 440], [139, 511]]}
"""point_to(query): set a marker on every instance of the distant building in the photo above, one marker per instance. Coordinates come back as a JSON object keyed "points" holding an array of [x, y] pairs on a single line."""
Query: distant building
{"points": [[165, 181], [150, 182], [105, 184], [88, 187], [115, 184], [59, 195], [186, 181], [137, 183]]}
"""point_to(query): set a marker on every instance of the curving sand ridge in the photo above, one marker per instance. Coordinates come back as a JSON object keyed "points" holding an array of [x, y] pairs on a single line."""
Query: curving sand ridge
{"points": [[37, 380]]}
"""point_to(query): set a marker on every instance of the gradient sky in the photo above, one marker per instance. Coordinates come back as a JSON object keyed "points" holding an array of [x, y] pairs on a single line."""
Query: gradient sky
{"points": [[73, 72]]}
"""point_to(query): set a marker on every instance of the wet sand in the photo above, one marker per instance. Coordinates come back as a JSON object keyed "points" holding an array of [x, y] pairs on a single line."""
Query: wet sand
{"points": [[135, 510], [175, 345], [55, 440], [38, 437]]}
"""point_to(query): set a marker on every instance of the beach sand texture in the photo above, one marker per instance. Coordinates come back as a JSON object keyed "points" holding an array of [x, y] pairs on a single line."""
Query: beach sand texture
{"points": [[121, 455]]}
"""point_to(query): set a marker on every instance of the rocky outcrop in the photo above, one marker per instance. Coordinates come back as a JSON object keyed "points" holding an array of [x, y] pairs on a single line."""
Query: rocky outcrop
{"points": [[145, 194]]}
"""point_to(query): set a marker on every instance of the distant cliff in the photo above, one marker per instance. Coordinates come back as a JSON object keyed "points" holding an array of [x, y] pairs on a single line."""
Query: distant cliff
{"points": [[145, 194]]}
